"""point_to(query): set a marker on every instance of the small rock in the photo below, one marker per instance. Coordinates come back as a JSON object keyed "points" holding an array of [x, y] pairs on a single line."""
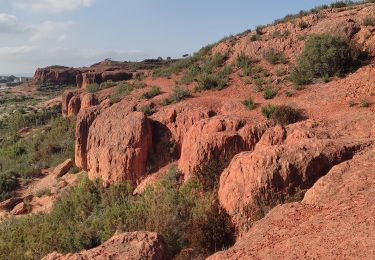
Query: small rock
{"points": [[63, 168], [19, 209]]}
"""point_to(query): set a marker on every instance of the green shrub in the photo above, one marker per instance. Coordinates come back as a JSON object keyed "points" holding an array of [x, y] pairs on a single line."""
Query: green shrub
{"points": [[249, 103], [147, 110], [8, 183], [121, 91], [323, 55], [185, 215], [365, 103], [255, 37], [211, 81], [178, 94], [285, 115], [274, 57], [268, 110], [152, 93], [303, 25], [107, 84], [270, 93], [93, 88], [369, 21], [259, 29], [43, 192]]}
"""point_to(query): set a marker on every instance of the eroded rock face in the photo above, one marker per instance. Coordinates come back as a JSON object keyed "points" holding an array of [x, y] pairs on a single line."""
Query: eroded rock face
{"points": [[66, 97], [74, 106], [127, 246], [63, 168], [118, 144], [56, 74], [88, 100], [334, 221], [255, 181], [84, 121], [216, 139]]}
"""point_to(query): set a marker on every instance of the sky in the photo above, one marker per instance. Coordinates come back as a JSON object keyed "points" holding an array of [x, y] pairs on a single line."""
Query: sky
{"points": [[38, 33]]}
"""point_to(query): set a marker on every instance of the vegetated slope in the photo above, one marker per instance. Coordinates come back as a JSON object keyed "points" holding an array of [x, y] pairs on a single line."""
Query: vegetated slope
{"points": [[244, 137]]}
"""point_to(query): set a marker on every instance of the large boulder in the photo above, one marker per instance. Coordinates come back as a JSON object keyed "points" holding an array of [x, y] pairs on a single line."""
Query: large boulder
{"points": [[66, 97], [127, 246], [85, 118], [74, 106], [118, 144], [256, 181], [216, 139], [335, 220], [63, 168], [56, 74]]}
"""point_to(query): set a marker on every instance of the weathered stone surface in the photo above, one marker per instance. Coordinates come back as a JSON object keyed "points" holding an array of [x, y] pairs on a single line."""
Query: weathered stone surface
{"points": [[216, 139], [88, 100], [255, 181], [84, 120], [19, 209], [66, 97], [74, 106], [63, 168], [335, 220], [56, 74], [127, 246], [118, 144]]}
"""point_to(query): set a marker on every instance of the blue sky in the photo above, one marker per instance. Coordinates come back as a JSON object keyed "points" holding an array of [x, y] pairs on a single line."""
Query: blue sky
{"points": [[37, 33]]}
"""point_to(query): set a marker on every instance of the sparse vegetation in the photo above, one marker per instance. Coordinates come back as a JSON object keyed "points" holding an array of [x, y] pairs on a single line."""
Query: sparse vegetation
{"points": [[152, 93], [285, 115], [43, 192], [274, 57], [147, 110], [178, 94], [365, 103], [211, 81], [93, 88], [369, 21], [270, 93], [186, 215], [324, 56], [268, 110], [121, 91], [249, 103]]}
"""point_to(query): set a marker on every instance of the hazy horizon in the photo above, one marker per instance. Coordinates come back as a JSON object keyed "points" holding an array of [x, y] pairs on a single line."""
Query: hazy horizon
{"points": [[39, 33]]}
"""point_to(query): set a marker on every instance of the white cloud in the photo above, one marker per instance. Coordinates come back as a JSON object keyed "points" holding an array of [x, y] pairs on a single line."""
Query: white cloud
{"points": [[49, 30], [17, 50], [50, 6], [9, 24]]}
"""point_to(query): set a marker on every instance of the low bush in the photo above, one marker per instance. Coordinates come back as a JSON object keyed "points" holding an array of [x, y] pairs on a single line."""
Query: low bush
{"points": [[121, 91], [324, 56], [249, 103], [178, 94], [211, 81], [285, 115], [8, 183], [268, 110], [152, 93], [93, 88], [185, 215], [274, 57], [270, 93], [147, 110], [369, 21]]}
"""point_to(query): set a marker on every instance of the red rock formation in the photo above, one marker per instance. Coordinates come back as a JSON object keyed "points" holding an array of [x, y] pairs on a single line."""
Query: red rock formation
{"points": [[334, 221], [127, 246], [218, 139], [56, 74], [74, 106], [84, 120], [66, 97], [118, 145], [88, 100], [63, 168], [270, 174]]}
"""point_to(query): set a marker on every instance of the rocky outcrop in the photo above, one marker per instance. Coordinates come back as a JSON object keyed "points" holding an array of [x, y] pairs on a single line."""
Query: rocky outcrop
{"points": [[84, 120], [98, 77], [63, 168], [127, 246], [88, 100], [334, 221], [217, 139], [118, 144], [66, 97], [19, 209], [74, 106], [256, 181], [56, 74]]}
